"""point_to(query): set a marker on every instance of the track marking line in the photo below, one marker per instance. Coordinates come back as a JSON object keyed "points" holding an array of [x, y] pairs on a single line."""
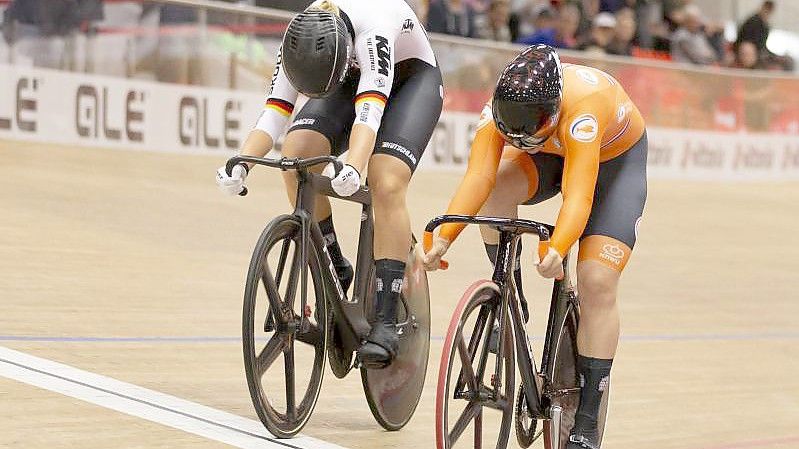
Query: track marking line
{"points": [[147, 404]]}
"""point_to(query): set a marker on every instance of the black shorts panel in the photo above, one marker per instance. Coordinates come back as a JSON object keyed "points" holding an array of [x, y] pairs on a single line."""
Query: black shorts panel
{"points": [[619, 195], [409, 119], [412, 113], [331, 116], [550, 173]]}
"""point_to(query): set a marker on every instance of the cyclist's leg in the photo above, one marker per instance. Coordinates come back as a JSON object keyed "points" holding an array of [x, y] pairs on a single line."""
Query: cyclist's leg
{"points": [[388, 181], [408, 123], [320, 128], [304, 143], [604, 251], [522, 179]]}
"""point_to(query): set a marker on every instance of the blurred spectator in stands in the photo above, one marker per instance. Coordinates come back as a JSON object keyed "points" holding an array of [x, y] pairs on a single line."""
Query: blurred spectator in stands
{"points": [[645, 14], [45, 31], [622, 43], [568, 25], [556, 28], [612, 6], [690, 43], [496, 21], [672, 12], [747, 57], [602, 32], [455, 17], [588, 10], [545, 22], [178, 45], [756, 28]]}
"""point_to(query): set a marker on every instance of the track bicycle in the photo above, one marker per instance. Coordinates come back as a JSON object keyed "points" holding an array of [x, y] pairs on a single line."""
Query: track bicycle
{"points": [[486, 341], [295, 308]]}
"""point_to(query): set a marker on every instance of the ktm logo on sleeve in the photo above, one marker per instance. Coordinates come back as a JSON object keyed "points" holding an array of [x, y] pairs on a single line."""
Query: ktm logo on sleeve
{"points": [[383, 55]]}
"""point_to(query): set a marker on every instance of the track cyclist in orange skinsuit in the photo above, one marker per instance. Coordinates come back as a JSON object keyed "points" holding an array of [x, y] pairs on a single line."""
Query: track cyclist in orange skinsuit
{"points": [[552, 128]]}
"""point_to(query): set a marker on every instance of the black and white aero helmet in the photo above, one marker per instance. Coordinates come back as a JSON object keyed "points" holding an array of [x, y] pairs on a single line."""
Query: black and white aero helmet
{"points": [[316, 51]]}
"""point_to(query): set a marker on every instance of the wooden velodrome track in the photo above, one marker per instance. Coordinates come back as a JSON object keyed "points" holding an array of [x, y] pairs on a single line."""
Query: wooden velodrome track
{"points": [[131, 265]]}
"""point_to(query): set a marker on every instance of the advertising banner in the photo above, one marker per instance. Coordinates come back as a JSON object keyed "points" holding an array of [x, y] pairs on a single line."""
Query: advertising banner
{"points": [[87, 110]]}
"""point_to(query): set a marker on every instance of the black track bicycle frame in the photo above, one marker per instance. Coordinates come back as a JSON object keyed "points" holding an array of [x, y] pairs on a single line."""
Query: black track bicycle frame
{"points": [[510, 232], [349, 311]]}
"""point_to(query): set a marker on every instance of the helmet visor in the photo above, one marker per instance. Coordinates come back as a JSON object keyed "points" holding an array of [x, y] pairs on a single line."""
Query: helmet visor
{"points": [[526, 125]]}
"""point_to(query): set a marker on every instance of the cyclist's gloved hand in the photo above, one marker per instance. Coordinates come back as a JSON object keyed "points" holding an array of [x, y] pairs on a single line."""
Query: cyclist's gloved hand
{"points": [[432, 260], [551, 266], [347, 181], [233, 184]]}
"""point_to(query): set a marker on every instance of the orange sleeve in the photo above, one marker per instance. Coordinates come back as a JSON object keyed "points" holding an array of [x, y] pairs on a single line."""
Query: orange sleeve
{"points": [[479, 179], [580, 171]]}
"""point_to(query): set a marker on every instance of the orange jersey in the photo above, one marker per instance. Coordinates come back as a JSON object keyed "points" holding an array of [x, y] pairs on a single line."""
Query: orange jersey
{"points": [[598, 122]]}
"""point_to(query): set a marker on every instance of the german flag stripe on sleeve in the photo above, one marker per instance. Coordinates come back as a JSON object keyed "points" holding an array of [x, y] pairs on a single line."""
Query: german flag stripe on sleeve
{"points": [[371, 95], [281, 106]]}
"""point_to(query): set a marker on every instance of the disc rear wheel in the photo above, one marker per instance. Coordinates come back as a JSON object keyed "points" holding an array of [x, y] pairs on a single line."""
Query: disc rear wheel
{"points": [[394, 391]]}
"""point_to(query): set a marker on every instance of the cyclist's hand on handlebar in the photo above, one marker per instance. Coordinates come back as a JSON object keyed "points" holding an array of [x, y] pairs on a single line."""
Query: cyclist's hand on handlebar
{"points": [[551, 266], [232, 184], [346, 182], [432, 259]]}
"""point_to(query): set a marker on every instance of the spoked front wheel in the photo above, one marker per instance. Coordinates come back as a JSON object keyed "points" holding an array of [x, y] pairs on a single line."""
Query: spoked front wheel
{"points": [[474, 398], [565, 387], [284, 335]]}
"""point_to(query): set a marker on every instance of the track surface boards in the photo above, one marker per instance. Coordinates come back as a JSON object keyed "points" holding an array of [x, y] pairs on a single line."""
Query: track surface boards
{"points": [[131, 265]]}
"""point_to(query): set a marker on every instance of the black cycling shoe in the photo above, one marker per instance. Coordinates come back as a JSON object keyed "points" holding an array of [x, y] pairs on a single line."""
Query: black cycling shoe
{"points": [[345, 274], [380, 347], [580, 442], [584, 434]]}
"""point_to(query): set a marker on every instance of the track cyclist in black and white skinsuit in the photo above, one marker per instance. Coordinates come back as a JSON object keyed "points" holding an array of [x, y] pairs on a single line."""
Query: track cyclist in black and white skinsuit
{"points": [[375, 90]]}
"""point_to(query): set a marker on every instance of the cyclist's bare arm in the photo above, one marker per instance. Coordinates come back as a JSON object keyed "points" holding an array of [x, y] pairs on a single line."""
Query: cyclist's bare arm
{"points": [[277, 110], [257, 144], [479, 180]]}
